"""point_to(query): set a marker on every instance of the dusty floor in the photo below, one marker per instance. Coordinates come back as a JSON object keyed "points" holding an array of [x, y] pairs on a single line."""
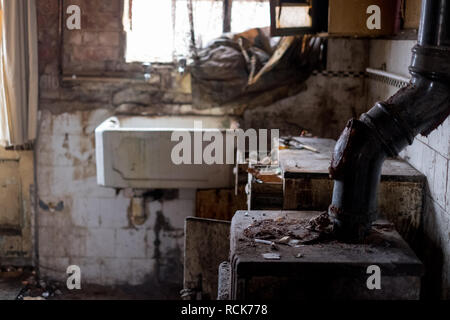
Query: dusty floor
{"points": [[95, 292], [9, 288], [24, 284]]}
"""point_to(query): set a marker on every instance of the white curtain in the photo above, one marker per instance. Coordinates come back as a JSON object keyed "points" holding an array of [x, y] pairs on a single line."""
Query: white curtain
{"points": [[18, 72]]}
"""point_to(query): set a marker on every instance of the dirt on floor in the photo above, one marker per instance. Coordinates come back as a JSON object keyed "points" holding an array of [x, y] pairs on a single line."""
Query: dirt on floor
{"points": [[18, 283], [96, 292]]}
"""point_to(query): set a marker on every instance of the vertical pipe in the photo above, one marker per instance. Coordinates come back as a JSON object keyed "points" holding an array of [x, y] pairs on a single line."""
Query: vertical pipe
{"points": [[427, 30], [434, 23], [444, 24]]}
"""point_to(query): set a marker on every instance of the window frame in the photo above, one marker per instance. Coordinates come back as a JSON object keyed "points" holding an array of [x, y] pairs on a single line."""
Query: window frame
{"points": [[126, 70], [226, 22]]}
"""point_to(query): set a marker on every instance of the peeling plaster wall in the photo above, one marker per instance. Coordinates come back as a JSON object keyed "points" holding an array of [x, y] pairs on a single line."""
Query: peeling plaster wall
{"points": [[79, 222], [83, 224], [16, 212], [430, 155]]}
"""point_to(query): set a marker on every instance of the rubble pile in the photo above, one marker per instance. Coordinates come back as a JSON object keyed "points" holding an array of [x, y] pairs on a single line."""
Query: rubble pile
{"points": [[35, 288], [282, 230]]}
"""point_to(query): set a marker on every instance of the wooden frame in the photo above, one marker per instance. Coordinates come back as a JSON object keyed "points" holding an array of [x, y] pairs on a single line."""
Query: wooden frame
{"points": [[227, 5], [319, 15]]}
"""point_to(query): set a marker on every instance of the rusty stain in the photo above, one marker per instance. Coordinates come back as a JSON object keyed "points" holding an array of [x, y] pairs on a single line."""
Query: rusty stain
{"points": [[172, 259], [343, 148], [65, 144], [335, 211], [136, 218], [83, 169]]}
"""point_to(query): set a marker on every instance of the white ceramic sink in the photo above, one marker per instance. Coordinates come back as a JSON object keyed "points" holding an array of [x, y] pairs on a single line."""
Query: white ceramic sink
{"points": [[135, 152]]}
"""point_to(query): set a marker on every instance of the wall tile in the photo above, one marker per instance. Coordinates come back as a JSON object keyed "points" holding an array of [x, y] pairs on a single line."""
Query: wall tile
{"points": [[130, 244], [54, 268], [113, 212], [439, 187], [116, 271], [100, 243], [178, 210]]}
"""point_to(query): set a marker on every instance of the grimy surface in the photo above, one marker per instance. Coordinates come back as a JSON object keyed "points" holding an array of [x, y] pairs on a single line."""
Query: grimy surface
{"points": [[9, 288], [296, 163], [384, 247], [207, 245]]}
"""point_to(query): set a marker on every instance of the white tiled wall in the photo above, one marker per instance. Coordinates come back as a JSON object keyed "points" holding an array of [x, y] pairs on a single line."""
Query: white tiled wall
{"points": [[430, 155], [92, 230]]}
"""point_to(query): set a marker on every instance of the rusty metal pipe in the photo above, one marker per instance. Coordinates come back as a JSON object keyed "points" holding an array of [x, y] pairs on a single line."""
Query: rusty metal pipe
{"points": [[390, 126]]}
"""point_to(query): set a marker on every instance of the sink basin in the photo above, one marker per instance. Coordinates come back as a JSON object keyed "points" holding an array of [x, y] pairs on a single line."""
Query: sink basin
{"points": [[135, 152]]}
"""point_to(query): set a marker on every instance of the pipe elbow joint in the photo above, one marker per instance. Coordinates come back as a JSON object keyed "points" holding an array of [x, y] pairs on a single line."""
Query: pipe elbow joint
{"points": [[356, 168], [390, 126]]}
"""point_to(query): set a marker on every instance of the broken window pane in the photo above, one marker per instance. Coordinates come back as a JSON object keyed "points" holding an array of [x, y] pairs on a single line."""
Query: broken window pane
{"points": [[247, 14], [208, 24], [160, 29], [151, 36]]}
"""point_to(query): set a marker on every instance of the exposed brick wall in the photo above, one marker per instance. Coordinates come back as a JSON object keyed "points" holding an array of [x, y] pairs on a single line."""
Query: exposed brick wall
{"points": [[99, 45], [98, 50]]}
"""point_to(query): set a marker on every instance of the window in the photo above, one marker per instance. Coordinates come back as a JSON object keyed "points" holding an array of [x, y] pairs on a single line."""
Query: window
{"points": [[159, 30], [149, 31], [249, 14]]}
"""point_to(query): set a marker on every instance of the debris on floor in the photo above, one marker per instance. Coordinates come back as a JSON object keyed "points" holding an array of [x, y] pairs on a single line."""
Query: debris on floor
{"points": [[271, 256], [264, 242], [32, 298], [22, 283], [321, 223], [266, 175], [10, 282], [35, 288], [284, 231], [284, 240]]}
